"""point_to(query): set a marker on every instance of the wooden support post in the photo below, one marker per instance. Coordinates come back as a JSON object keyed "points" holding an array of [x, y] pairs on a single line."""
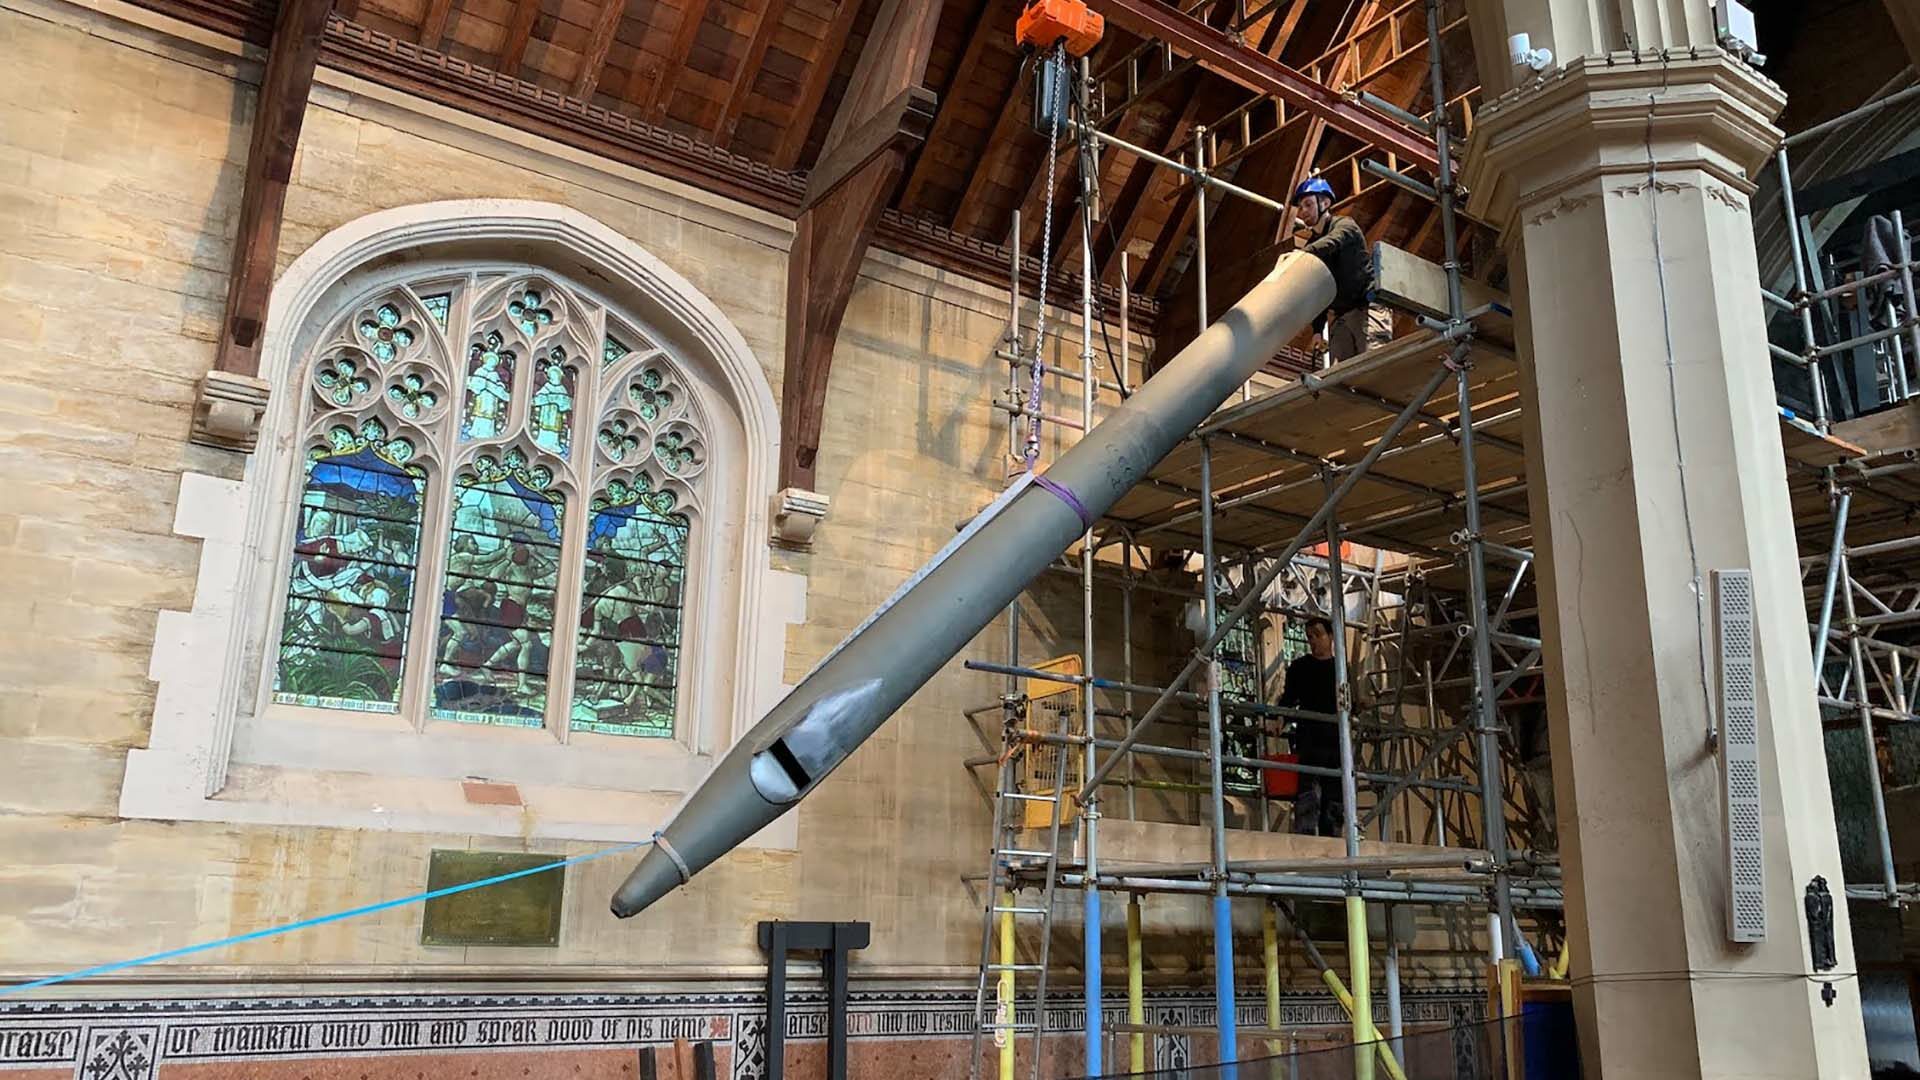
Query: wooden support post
{"points": [[884, 115], [233, 397]]}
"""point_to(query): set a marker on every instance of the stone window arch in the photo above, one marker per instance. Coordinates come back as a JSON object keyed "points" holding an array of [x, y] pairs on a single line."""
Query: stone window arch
{"points": [[507, 520]]}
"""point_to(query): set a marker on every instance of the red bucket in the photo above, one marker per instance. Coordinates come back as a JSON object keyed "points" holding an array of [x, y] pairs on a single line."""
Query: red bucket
{"points": [[1282, 783]]}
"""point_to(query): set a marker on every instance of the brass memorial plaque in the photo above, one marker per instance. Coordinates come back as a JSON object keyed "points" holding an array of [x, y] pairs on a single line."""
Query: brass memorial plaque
{"points": [[523, 911]]}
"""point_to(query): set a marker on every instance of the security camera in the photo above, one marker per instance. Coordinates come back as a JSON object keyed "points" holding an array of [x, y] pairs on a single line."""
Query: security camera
{"points": [[1521, 51]]}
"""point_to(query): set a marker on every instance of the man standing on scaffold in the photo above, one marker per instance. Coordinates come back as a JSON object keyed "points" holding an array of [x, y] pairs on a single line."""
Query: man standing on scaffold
{"points": [[1353, 324]]}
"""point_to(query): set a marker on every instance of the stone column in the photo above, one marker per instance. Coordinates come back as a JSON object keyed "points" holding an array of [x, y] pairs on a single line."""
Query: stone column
{"points": [[1621, 181]]}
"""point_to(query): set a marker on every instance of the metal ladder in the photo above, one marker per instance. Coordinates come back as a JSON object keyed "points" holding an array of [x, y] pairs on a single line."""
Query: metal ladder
{"points": [[1002, 899]]}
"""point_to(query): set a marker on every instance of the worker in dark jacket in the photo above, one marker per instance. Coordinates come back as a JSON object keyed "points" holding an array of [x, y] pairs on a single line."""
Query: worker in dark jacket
{"points": [[1319, 808], [1353, 323]]}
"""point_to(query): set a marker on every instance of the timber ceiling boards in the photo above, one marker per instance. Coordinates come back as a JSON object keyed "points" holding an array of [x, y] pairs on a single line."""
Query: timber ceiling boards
{"points": [[750, 87]]}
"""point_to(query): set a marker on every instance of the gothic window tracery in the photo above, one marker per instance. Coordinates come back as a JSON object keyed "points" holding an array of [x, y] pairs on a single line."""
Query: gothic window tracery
{"points": [[499, 500]]}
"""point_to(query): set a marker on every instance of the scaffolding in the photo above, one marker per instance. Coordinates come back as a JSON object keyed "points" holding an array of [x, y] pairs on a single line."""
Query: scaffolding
{"points": [[1436, 653], [1858, 332], [1446, 677]]}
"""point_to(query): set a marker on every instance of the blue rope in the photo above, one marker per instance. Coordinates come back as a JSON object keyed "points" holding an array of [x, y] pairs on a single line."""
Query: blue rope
{"points": [[320, 920]]}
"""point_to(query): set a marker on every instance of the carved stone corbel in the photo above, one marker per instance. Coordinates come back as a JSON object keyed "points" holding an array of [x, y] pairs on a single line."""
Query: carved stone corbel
{"points": [[796, 513], [228, 414]]}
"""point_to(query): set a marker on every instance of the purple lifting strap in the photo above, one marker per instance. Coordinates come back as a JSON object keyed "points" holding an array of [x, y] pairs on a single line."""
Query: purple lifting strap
{"points": [[1068, 497]]}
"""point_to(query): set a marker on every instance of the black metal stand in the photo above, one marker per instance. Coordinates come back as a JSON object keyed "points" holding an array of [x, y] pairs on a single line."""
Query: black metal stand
{"points": [[833, 940]]}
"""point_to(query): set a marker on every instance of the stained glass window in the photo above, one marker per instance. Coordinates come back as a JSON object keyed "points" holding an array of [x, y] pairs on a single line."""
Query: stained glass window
{"points": [[383, 334], [496, 612], [489, 387], [629, 651], [343, 636], [553, 402], [1239, 657], [650, 395], [474, 455]]}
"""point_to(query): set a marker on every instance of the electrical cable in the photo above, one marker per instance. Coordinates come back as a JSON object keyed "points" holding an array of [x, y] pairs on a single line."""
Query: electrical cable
{"points": [[1080, 104]]}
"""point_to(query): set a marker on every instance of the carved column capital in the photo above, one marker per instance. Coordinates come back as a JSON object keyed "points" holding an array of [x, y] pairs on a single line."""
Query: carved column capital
{"points": [[1539, 146]]}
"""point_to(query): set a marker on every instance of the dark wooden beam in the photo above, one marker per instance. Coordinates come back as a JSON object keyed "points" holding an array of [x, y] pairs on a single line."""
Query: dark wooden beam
{"points": [[884, 115], [233, 396], [1068, 240], [987, 32], [433, 26], [893, 59], [519, 33], [1166, 246], [749, 69], [1242, 235], [593, 60], [819, 77], [1417, 245], [901, 125], [1218, 51], [1006, 131], [691, 16], [279, 112], [1130, 206]]}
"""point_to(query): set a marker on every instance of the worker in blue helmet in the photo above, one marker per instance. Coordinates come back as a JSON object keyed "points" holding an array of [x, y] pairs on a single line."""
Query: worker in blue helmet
{"points": [[1353, 324]]}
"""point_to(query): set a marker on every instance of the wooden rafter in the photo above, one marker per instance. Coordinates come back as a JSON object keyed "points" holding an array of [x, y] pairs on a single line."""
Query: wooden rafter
{"points": [[883, 116], [1130, 207], [519, 33], [749, 69], [794, 143], [433, 25], [985, 35], [691, 16], [1068, 242], [1166, 246], [1218, 51], [278, 115], [1242, 235], [1417, 245], [281, 108], [966, 216], [1279, 32], [593, 60]]}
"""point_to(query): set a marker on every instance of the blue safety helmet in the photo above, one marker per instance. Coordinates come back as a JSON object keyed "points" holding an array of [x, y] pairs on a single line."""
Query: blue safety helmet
{"points": [[1312, 185]]}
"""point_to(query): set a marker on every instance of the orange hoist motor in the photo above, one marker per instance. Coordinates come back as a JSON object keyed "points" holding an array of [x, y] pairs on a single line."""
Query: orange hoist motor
{"points": [[1045, 22]]}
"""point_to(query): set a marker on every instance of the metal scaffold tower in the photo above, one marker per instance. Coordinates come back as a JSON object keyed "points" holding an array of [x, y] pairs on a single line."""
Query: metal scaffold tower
{"points": [[1439, 648], [1442, 722], [1854, 320]]}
